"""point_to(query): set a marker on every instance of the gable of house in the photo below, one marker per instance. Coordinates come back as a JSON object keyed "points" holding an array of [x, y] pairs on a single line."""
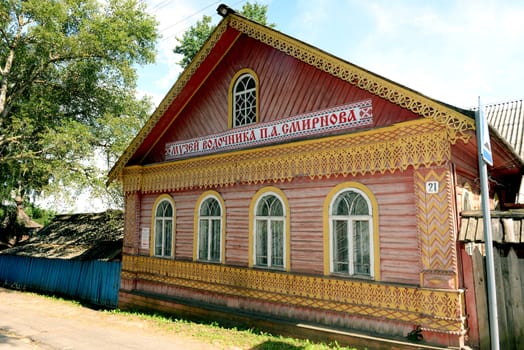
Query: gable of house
{"points": [[299, 77], [287, 89]]}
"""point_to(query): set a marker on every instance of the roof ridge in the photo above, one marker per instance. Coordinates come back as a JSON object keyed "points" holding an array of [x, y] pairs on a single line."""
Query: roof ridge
{"points": [[498, 103]]}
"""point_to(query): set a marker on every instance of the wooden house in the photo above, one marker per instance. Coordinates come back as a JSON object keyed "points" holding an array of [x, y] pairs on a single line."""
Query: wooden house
{"points": [[278, 181]]}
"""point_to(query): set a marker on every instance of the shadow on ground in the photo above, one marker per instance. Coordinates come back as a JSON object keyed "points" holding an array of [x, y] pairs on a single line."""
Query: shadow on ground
{"points": [[276, 345]]}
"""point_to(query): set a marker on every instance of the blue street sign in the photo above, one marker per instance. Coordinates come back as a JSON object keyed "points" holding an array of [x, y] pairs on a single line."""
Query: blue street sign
{"points": [[485, 144]]}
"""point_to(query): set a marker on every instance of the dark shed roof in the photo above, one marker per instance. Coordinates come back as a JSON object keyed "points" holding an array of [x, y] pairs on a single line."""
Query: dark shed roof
{"points": [[94, 236]]}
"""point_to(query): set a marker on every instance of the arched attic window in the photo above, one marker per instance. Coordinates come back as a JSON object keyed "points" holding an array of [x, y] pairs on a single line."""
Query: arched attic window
{"points": [[243, 99]]}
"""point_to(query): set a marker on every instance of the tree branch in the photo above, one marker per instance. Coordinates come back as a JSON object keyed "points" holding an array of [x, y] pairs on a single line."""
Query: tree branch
{"points": [[4, 35], [7, 66], [5, 140], [21, 155]]}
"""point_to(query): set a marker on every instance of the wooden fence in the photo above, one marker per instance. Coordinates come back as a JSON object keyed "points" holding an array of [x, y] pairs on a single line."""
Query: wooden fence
{"points": [[96, 282], [509, 276]]}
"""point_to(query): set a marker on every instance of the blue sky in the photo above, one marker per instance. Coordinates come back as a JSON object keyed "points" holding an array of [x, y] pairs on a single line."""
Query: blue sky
{"points": [[453, 51]]}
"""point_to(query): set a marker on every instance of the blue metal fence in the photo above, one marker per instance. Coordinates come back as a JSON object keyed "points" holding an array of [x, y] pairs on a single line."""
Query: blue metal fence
{"points": [[96, 282]]}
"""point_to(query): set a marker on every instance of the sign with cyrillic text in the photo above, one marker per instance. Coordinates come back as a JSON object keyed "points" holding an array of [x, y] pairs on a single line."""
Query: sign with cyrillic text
{"points": [[349, 116]]}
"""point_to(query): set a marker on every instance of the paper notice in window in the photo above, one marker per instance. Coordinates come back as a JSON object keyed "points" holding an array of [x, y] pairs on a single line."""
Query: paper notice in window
{"points": [[144, 241]]}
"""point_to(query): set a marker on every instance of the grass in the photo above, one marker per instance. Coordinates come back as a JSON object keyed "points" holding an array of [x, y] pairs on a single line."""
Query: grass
{"points": [[230, 338], [214, 333]]}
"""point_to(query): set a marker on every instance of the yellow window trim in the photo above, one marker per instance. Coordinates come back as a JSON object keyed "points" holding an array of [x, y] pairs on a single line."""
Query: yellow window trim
{"points": [[196, 216], [262, 192], [230, 93], [374, 207], [158, 200]]}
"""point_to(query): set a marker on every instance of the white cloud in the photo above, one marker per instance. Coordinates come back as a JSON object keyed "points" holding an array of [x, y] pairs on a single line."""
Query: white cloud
{"points": [[452, 51]]}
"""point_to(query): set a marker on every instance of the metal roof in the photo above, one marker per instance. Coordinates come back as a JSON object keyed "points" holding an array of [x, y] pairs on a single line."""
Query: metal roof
{"points": [[507, 118]]}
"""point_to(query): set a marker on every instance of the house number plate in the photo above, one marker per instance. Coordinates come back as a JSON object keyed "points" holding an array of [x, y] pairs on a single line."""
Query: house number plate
{"points": [[431, 186]]}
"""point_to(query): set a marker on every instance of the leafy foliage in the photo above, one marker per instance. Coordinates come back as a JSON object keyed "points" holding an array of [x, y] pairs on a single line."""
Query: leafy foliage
{"points": [[193, 39], [67, 89], [12, 228], [41, 215], [196, 36], [256, 12]]}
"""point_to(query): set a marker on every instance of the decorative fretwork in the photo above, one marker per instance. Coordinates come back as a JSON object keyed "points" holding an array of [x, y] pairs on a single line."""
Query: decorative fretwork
{"points": [[436, 226], [418, 143], [434, 310], [130, 234], [458, 125]]}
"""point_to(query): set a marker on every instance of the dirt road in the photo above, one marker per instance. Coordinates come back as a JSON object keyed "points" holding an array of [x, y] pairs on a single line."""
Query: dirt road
{"points": [[30, 321]]}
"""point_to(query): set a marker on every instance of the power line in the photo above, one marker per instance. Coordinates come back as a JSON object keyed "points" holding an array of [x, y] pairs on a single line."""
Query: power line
{"points": [[184, 20], [189, 17], [158, 6]]}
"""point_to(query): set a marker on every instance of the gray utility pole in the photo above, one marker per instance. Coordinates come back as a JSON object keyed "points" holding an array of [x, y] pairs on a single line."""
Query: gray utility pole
{"points": [[485, 157]]}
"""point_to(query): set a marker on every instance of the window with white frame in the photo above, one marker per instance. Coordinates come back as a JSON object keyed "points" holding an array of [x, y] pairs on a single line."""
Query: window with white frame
{"points": [[244, 100], [163, 228], [351, 236], [210, 230], [269, 232]]}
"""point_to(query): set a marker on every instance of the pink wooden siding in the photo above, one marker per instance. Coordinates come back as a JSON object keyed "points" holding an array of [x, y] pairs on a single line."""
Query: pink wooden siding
{"points": [[237, 202], [185, 211], [465, 158], [399, 244]]}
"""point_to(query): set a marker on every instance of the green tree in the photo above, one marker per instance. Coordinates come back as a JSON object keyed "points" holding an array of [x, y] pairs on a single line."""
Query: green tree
{"points": [[195, 37], [67, 89]]}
